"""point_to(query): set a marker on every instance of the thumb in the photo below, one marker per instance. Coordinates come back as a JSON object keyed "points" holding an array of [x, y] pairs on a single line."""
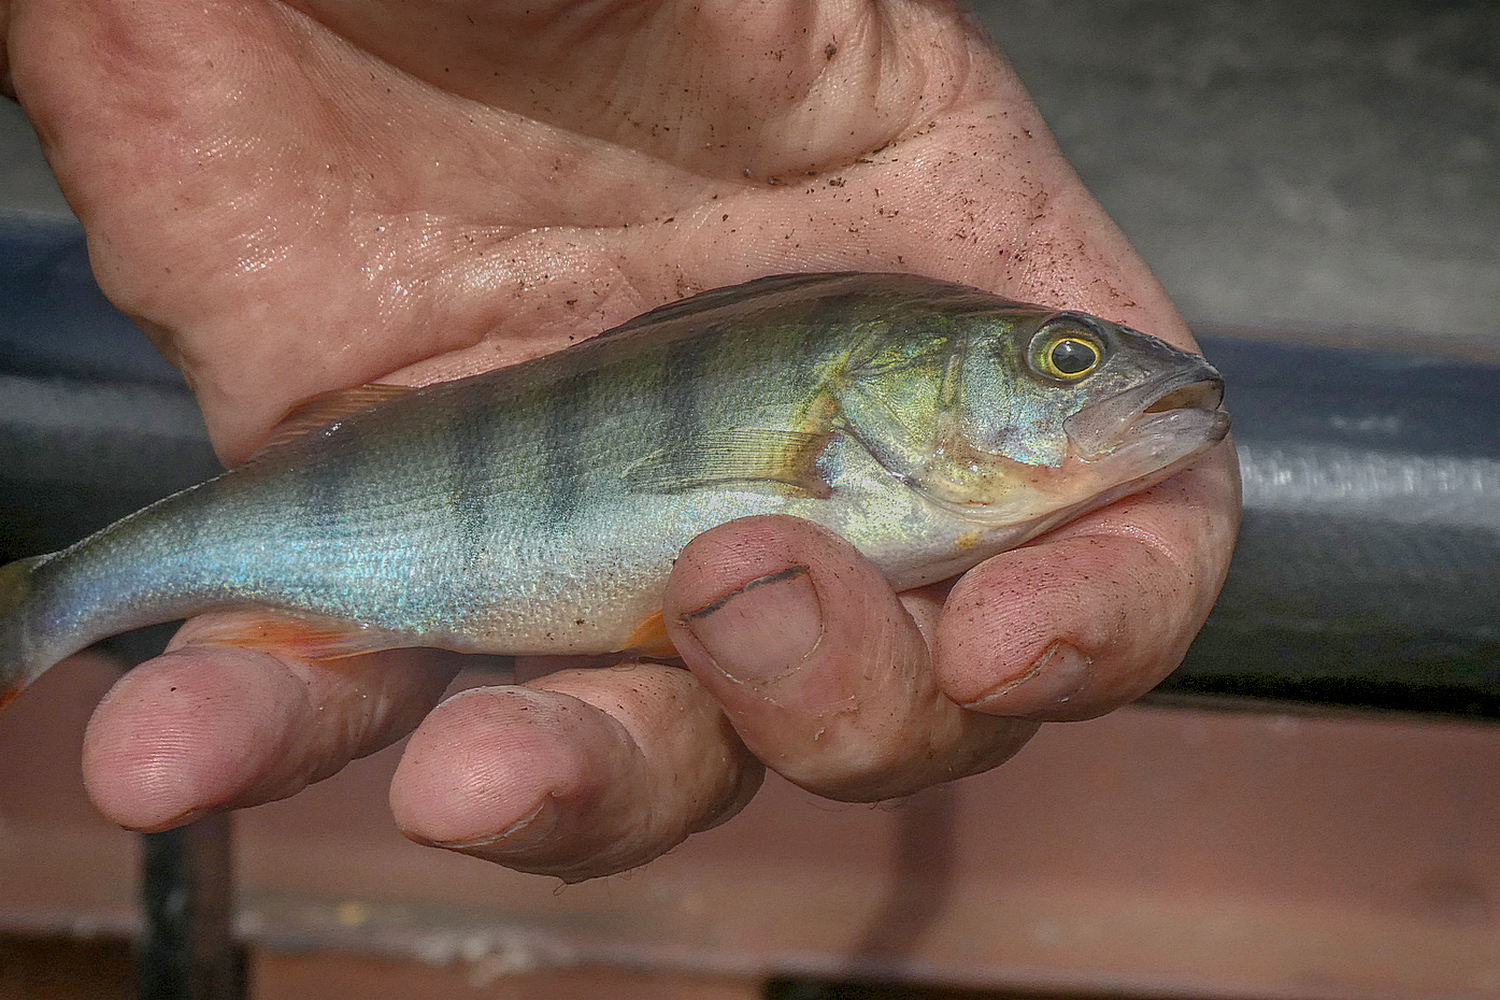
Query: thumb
{"points": [[818, 665]]}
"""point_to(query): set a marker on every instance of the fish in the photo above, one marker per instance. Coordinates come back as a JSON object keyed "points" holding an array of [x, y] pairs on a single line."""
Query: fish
{"points": [[537, 509]]}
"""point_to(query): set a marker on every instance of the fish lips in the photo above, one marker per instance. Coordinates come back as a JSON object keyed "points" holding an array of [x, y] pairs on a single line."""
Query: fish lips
{"points": [[1161, 420]]}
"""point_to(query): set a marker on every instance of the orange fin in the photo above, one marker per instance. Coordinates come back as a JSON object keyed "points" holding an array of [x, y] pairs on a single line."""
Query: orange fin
{"points": [[323, 409], [650, 637], [308, 637]]}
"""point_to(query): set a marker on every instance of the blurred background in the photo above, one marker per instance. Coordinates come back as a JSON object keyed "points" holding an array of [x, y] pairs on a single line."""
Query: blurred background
{"points": [[1318, 187], [1286, 163]]}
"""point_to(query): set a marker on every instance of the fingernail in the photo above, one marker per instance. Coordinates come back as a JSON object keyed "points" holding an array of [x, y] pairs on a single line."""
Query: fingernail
{"points": [[1056, 676], [763, 631], [521, 835], [181, 819]]}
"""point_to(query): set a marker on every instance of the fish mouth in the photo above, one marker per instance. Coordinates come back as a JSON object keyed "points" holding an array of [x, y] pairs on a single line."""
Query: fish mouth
{"points": [[1157, 422]]}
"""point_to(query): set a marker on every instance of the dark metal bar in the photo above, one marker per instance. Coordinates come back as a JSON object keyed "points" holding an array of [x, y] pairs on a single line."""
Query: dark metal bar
{"points": [[188, 951], [1367, 573]]}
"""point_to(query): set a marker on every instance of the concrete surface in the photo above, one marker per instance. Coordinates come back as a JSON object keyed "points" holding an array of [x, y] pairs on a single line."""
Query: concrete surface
{"points": [[1277, 161], [1284, 161]]}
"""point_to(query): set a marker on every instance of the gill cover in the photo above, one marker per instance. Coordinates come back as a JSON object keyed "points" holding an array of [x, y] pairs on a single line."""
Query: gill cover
{"points": [[957, 412], [975, 411]]}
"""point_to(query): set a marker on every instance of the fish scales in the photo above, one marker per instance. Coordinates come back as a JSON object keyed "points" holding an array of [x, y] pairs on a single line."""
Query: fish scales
{"points": [[538, 509]]}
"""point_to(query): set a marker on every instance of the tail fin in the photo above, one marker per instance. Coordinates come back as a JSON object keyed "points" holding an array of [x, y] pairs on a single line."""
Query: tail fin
{"points": [[17, 663]]}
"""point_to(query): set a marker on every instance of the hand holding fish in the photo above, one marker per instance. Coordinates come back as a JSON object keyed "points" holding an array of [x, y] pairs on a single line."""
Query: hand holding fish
{"points": [[298, 199]]}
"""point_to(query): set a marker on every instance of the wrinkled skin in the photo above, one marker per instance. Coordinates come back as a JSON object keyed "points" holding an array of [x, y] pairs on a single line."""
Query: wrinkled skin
{"points": [[298, 198]]}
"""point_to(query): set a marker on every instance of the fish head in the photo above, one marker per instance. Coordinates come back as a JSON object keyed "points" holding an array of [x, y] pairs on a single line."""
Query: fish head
{"points": [[1027, 413]]}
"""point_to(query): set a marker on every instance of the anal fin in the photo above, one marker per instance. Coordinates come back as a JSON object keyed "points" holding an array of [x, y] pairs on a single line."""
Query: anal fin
{"points": [[306, 637]]}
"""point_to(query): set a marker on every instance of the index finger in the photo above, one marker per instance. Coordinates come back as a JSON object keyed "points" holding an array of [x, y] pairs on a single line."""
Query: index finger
{"points": [[1093, 615]]}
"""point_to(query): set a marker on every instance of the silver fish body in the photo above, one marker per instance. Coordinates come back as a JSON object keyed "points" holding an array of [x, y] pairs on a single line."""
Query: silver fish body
{"points": [[537, 509]]}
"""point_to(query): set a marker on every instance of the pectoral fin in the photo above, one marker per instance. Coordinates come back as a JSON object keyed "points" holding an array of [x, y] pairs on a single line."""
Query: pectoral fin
{"points": [[742, 455]]}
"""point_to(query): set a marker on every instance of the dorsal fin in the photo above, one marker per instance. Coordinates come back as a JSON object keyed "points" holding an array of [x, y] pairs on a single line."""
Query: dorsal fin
{"points": [[746, 294], [324, 408]]}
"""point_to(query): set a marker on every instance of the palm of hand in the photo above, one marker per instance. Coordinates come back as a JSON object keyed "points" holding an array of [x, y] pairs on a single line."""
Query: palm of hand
{"points": [[298, 199]]}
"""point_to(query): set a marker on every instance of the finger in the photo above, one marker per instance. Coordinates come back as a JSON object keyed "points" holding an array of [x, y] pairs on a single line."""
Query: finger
{"points": [[1098, 613], [205, 728], [579, 774], [821, 669]]}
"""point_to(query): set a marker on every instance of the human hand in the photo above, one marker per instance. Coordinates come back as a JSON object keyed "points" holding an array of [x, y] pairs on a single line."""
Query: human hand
{"points": [[293, 199]]}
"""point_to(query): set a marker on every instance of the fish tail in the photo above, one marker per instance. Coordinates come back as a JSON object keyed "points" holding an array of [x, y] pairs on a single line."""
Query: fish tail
{"points": [[19, 666]]}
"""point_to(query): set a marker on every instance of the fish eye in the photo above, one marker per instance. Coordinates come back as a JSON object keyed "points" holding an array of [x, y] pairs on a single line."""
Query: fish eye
{"points": [[1068, 355]]}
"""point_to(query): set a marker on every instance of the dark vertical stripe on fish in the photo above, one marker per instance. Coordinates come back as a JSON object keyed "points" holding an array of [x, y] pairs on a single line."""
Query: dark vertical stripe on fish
{"points": [[323, 495], [468, 479], [561, 482], [681, 380]]}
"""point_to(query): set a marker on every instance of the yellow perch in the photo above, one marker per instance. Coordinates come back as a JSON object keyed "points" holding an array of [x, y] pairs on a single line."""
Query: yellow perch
{"points": [[537, 509]]}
